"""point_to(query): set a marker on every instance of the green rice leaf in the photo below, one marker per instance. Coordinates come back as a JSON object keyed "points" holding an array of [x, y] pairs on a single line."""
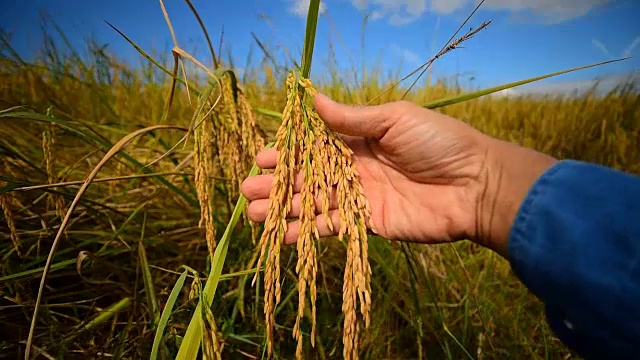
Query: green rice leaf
{"points": [[191, 342], [166, 313], [310, 37], [476, 94]]}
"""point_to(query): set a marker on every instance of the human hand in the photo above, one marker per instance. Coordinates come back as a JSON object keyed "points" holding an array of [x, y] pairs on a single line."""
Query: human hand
{"points": [[429, 178]]}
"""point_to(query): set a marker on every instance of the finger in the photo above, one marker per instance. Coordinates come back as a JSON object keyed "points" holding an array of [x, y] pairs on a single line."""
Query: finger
{"points": [[259, 186], [293, 228], [365, 121], [259, 209], [267, 158]]}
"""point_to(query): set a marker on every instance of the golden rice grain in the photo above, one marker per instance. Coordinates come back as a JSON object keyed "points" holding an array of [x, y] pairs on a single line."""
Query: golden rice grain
{"points": [[306, 145], [204, 171], [47, 154], [212, 348], [6, 202], [226, 141], [54, 201]]}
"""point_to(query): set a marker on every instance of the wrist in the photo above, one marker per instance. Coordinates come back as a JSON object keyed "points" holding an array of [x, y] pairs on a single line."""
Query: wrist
{"points": [[509, 173]]}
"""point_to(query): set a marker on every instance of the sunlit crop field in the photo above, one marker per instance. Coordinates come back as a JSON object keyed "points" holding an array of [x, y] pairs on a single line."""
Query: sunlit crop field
{"points": [[138, 224]]}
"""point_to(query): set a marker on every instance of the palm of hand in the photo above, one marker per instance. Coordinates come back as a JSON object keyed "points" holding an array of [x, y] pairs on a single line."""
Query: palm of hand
{"points": [[419, 179]]}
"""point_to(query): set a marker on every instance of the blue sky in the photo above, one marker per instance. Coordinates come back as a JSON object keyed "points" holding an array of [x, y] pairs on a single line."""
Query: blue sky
{"points": [[526, 38]]}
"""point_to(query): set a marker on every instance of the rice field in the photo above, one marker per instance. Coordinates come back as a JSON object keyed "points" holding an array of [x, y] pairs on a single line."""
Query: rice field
{"points": [[165, 158]]}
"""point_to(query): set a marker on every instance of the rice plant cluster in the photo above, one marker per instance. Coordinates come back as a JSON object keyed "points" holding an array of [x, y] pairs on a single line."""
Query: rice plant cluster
{"points": [[225, 145], [306, 146]]}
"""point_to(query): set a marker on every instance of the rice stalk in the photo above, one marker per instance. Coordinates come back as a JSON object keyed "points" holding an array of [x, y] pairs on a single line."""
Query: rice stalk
{"points": [[54, 201], [47, 155], [305, 145], [211, 345], [205, 167], [6, 203], [100, 180], [226, 142], [448, 46]]}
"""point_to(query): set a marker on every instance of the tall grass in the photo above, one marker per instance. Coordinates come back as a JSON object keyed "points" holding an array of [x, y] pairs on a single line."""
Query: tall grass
{"points": [[137, 224]]}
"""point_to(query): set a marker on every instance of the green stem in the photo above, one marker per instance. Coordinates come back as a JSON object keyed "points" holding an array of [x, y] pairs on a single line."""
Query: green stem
{"points": [[310, 37], [191, 342]]}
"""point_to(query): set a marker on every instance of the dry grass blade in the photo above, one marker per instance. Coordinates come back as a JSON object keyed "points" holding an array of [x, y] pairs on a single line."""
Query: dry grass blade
{"points": [[194, 123], [190, 57], [166, 18], [426, 65], [176, 59], [110, 154], [445, 50], [206, 33], [107, 179], [149, 58], [172, 87], [265, 51]]}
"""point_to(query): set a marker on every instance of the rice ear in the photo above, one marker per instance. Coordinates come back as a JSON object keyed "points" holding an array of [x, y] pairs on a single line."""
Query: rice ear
{"points": [[305, 144]]}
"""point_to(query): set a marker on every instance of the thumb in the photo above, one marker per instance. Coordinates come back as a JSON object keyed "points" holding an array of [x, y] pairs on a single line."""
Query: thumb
{"points": [[365, 121]]}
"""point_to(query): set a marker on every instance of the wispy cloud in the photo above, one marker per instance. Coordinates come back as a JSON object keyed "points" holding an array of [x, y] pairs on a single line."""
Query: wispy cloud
{"points": [[627, 52], [632, 46], [300, 8], [601, 46], [395, 12], [400, 12], [407, 55]]}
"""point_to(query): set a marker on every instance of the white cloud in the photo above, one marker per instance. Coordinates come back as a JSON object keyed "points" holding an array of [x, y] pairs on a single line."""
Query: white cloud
{"points": [[400, 12], [625, 53], [300, 8], [632, 46], [409, 56]]}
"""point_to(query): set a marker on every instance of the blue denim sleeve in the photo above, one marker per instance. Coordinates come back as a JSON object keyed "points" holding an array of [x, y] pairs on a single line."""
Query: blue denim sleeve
{"points": [[575, 244]]}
